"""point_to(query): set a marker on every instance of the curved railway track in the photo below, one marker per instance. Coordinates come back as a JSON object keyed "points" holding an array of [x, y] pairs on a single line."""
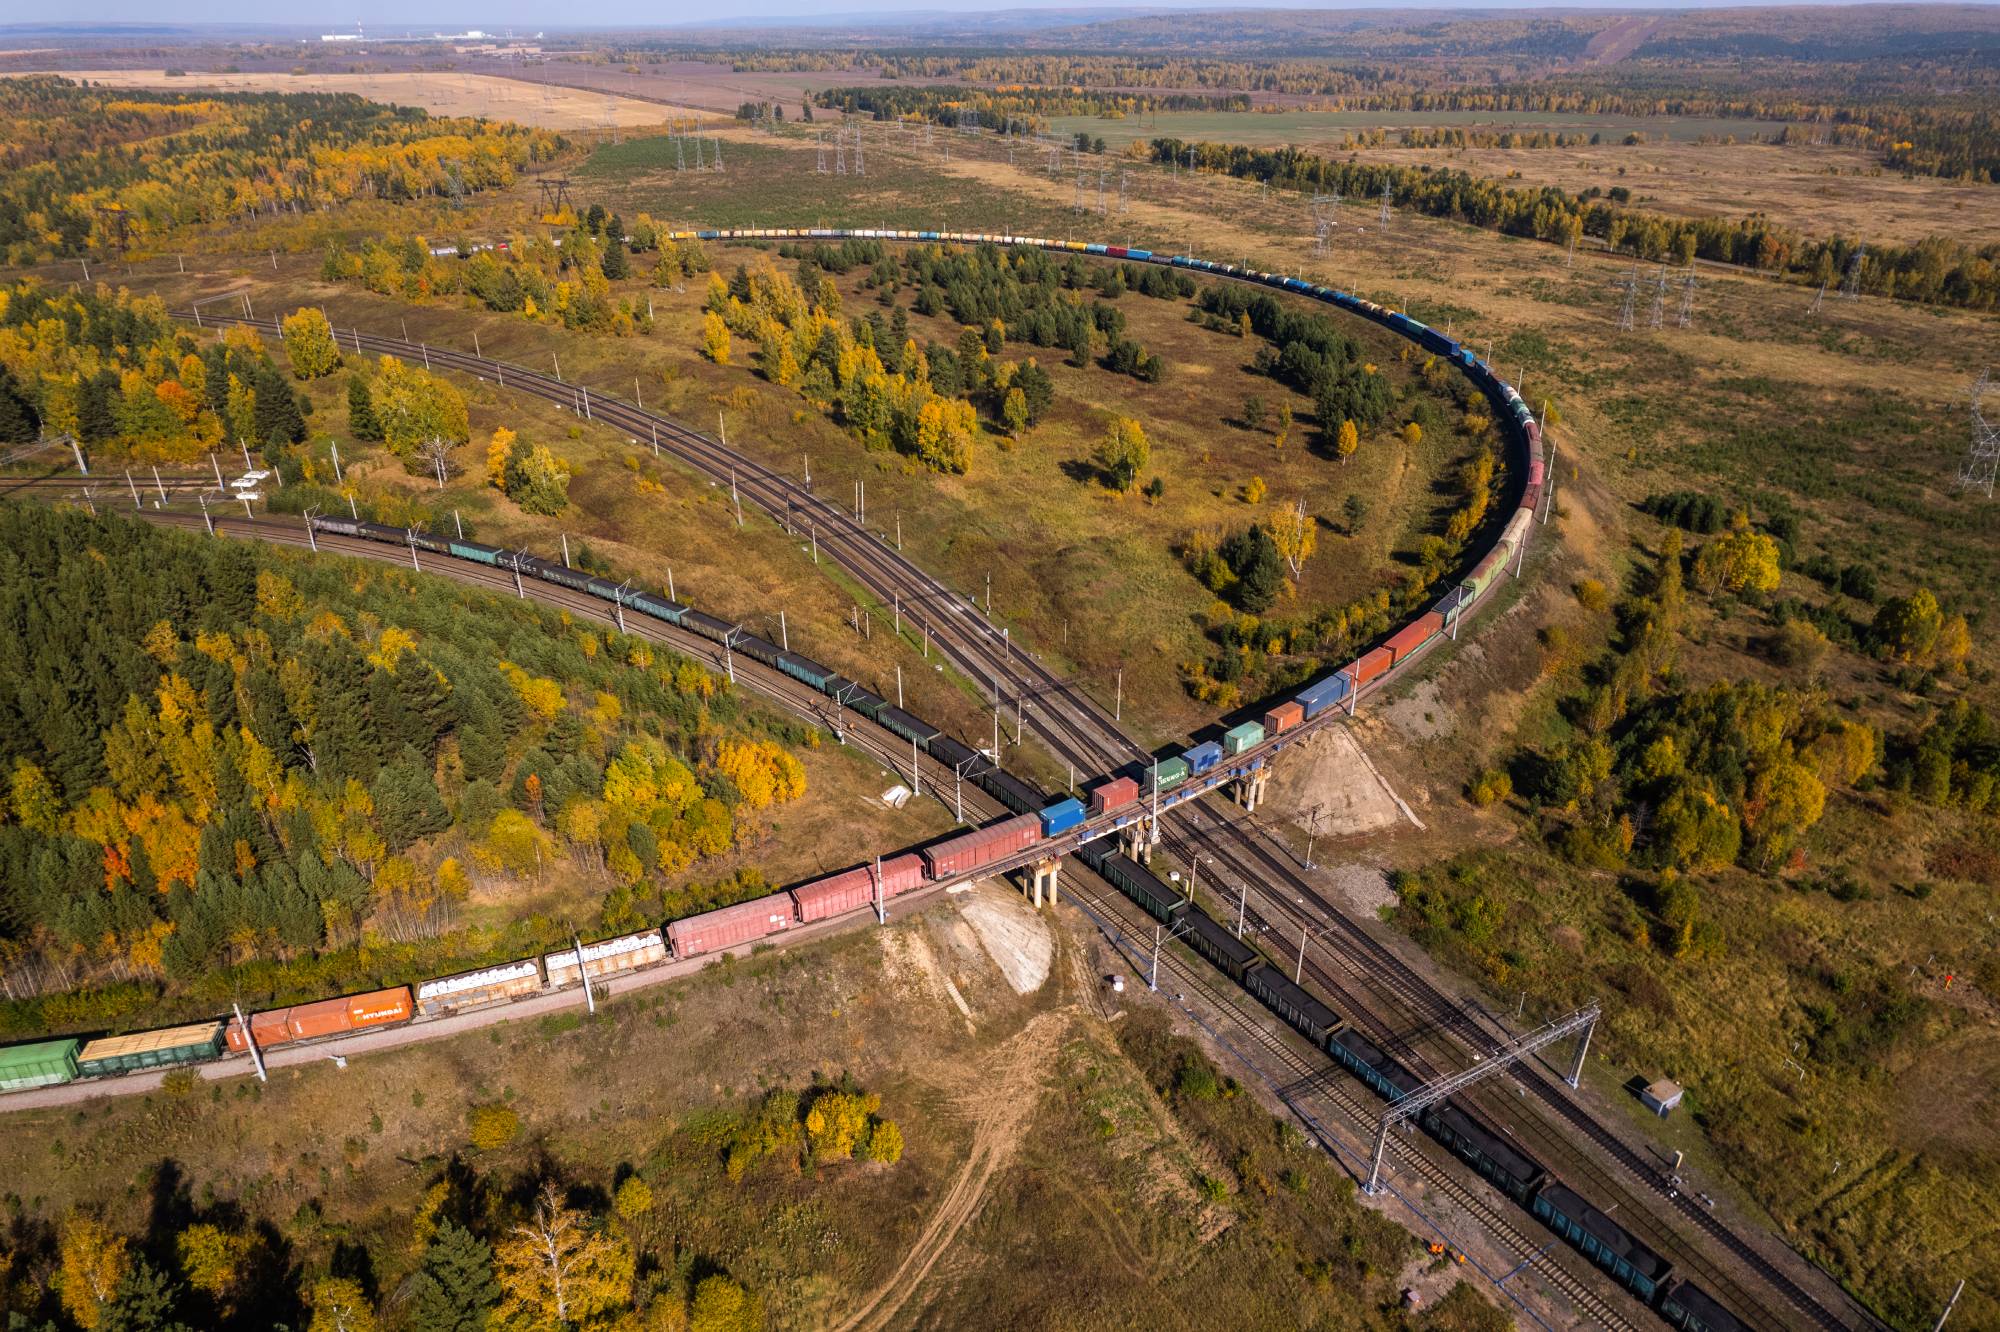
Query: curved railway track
{"points": [[1080, 731]]}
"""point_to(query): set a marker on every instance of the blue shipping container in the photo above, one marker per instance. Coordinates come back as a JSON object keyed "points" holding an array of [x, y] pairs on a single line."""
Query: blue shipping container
{"points": [[1317, 698], [1061, 817], [1203, 757]]}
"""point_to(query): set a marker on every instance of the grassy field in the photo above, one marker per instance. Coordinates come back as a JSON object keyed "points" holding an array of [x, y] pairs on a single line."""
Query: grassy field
{"points": [[1268, 129], [439, 92]]}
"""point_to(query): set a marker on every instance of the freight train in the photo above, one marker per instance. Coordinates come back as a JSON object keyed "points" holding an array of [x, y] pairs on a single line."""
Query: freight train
{"points": [[1510, 1169]]}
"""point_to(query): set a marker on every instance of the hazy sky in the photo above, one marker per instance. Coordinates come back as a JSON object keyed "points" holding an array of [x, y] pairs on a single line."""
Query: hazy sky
{"points": [[454, 15]]}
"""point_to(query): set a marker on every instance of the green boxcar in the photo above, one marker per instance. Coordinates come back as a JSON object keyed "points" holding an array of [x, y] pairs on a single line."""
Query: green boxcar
{"points": [[1171, 773], [1237, 739], [43, 1064], [150, 1049]]}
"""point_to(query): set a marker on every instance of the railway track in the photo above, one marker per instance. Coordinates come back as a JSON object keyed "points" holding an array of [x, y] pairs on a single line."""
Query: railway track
{"points": [[1315, 1078], [1080, 731]]}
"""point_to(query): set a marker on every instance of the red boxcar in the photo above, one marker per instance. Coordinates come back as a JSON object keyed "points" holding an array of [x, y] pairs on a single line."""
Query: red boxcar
{"points": [[1114, 794], [1414, 635], [327, 1017], [1369, 666], [743, 923], [852, 889], [1283, 717], [982, 846]]}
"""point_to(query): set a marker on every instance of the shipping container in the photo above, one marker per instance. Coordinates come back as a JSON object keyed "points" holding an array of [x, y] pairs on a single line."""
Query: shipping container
{"points": [[1203, 757], [1517, 529], [354, 1012], [1414, 635], [1114, 794], [607, 957], [150, 1049], [1369, 666], [1320, 695], [1061, 817], [474, 989], [267, 1029], [982, 846], [1284, 717], [1240, 739], [1168, 773], [1454, 601], [43, 1064], [727, 927]]}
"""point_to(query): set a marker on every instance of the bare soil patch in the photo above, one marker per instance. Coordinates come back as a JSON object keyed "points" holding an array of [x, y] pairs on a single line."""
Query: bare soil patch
{"points": [[1330, 773], [1016, 938]]}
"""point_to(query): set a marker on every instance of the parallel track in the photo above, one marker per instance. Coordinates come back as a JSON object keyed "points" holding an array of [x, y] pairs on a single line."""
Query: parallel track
{"points": [[1079, 731]]}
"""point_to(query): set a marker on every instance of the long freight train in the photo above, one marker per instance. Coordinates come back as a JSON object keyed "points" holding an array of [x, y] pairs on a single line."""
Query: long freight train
{"points": [[1033, 819], [1506, 1166]]}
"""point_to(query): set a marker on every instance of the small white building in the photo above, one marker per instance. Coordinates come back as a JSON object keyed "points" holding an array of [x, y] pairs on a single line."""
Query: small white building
{"points": [[1662, 1097]]}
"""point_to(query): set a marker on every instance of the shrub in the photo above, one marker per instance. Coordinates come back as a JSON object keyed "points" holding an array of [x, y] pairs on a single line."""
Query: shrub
{"points": [[1492, 785], [493, 1126]]}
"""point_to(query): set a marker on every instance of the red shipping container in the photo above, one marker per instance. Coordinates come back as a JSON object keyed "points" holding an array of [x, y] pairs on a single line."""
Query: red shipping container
{"points": [[1283, 717], [330, 1017], [1414, 634], [1114, 794], [1369, 666], [982, 846], [269, 1029], [728, 926]]}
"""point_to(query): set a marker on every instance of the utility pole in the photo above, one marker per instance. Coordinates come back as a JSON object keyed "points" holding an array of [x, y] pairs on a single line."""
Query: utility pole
{"points": [[1939, 1325], [583, 970], [257, 1056]]}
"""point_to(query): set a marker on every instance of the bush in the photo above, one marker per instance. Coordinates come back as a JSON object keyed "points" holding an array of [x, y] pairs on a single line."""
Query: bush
{"points": [[1492, 786], [493, 1127]]}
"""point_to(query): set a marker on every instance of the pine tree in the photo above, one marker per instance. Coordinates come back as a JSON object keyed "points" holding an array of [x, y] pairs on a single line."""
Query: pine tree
{"points": [[455, 1288], [20, 423], [615, 264], [407, 805], [361, 420]]}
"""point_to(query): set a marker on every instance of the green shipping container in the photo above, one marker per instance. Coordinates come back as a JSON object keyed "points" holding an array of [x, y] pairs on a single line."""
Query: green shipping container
{"points": [[1171, 773], [1239, 738], [43, 1064]]}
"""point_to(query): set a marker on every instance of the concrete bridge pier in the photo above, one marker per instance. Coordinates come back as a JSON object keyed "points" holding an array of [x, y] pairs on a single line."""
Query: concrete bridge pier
{"points": [[1045, 873]]}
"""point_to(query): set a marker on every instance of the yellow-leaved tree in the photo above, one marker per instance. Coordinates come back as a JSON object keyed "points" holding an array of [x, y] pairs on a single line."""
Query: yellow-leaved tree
{"points": [[715, 338], [762, 770], [94, 1260], [309, 343], [1347, 440], [558, 1271], [1296, 533]]}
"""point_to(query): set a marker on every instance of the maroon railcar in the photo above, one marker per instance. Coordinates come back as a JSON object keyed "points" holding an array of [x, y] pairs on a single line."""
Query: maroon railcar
{"points": [[982, 846], [852, 889], [746, 922], [1114, 794]]}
